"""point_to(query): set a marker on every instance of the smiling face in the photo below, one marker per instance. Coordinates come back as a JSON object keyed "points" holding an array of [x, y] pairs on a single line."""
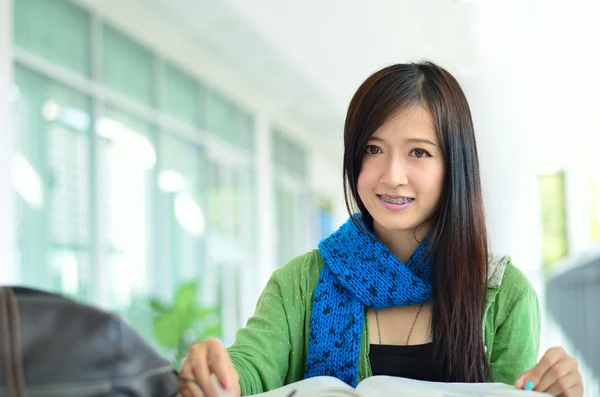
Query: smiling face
{"points": [[402, 173]]}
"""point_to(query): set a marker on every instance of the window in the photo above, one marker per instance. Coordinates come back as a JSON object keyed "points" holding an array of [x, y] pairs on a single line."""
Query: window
{"points": [[127, 156], [58, 31], [554, 218], [289, 155], [127, 66], [221, 114], [182, 187], [116, 205], [184, 97], [52, 182]]}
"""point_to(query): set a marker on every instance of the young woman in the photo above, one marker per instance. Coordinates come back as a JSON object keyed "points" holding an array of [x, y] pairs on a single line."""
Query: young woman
{"points": [[406, 287]]}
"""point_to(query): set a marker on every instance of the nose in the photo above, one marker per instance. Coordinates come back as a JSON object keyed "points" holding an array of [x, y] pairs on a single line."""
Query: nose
{"points": [[395, 173]]}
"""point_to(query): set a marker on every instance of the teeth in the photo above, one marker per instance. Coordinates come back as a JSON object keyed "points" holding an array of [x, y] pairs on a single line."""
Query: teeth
{"points": [[396, 201]]}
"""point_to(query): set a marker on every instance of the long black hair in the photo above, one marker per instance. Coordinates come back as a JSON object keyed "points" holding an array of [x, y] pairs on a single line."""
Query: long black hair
{"points": [[458, 230]]}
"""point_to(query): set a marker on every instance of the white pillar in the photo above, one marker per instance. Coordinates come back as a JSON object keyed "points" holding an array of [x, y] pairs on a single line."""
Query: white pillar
{"points": [[9, 271], [502, 93], [266, 201], [509, 115]]}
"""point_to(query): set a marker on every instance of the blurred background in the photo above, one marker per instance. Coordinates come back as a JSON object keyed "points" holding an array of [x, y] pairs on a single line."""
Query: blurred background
{"points": [[160, 158]]}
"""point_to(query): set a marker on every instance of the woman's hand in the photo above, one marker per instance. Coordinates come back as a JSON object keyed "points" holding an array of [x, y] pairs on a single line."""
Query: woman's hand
{"points": [[206, 358], [557, 373]]}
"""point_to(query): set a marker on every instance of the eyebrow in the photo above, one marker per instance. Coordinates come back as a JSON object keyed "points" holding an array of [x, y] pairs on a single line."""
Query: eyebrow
{"points": [[414, 140]]}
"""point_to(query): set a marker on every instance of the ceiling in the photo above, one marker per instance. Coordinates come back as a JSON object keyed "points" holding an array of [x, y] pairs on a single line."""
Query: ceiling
{"points": [[310, 56], [520, 61]]}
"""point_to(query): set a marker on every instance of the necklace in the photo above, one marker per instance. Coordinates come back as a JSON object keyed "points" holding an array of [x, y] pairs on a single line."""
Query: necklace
{"points": [[409, 332]]}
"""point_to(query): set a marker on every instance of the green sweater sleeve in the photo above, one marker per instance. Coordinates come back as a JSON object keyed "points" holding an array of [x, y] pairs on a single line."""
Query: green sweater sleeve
{"points": [[268, 352], [516, 343]]}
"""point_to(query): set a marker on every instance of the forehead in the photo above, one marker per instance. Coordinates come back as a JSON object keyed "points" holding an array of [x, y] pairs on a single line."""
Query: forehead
{"points": [[409, 122]]}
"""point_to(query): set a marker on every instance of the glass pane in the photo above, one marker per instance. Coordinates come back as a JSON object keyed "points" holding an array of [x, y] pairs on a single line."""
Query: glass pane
{"points": [[277, 148], [181, 183], [300, 162], [220, 114], [52, 175], [289, 155], [128, 67], [128, 159], [56, 30], [202, 106], [284, 232], [230, 241], [181, 92], [246, 131]]}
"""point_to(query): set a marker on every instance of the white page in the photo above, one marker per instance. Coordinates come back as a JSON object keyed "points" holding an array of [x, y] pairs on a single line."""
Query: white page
{"points": [[310, 387], [387, 386]]}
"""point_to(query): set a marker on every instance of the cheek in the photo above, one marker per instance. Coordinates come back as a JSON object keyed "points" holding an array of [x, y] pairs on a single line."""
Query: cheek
{"points": [[368, 177], [433, 182]]}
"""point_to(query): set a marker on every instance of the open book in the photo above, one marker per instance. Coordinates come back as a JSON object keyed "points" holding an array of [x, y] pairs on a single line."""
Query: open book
{"points": [[387, 386]]}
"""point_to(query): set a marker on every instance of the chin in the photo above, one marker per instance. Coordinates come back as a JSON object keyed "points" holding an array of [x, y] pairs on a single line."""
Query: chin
{"points": [[395, 225]]}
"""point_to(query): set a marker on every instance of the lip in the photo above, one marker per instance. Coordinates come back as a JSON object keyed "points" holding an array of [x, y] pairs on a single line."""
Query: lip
{"points": [[395, 207]]}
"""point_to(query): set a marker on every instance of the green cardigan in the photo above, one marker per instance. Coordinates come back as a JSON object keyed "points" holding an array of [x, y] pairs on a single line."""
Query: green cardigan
{"points": [[271, 350]]}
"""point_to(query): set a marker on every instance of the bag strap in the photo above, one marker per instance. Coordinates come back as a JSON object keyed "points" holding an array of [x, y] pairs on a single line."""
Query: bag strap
{"points": [[15, 320], [10, 326], [5, 345]]}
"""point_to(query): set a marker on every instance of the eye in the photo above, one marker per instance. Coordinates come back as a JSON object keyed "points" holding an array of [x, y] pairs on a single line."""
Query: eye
{"points": [[420, 153], [373, 150]]}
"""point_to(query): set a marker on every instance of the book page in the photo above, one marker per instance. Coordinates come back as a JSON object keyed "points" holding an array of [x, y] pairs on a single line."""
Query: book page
{"points": [[387, 386], [320, 386]]}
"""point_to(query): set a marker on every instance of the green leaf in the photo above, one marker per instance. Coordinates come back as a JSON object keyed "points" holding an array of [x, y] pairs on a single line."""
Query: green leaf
{"points": [[186, 296], [157, 306], [171, 323], [202, 312], [210, 332], [168, 329]]}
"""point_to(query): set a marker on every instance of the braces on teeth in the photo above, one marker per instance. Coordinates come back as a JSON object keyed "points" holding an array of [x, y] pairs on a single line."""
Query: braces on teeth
{"points": [[396, 201]]}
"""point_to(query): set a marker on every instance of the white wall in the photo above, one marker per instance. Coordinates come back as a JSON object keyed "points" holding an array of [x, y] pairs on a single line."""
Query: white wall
{"points": [[533, 93], [8, 226], [501, 89]]}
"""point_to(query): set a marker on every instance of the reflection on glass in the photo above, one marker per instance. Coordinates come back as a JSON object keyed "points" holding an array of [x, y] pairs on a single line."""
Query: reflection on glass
{"points": [[51, 175], [128, 158], [128, 147], [26, 181], [189, 215], [170, 181]]}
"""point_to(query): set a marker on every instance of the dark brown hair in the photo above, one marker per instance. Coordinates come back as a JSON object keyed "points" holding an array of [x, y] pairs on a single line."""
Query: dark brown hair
{"points": [[458, 232]]}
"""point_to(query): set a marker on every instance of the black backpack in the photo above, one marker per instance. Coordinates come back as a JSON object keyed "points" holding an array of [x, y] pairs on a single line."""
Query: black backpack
{"points": [[54, 346]]}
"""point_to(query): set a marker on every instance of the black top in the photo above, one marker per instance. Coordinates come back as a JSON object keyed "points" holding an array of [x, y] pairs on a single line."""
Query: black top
{"points": [[413, 361]]}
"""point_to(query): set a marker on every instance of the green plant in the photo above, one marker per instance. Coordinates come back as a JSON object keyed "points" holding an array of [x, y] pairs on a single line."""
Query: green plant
{"points": [[184, 321]]}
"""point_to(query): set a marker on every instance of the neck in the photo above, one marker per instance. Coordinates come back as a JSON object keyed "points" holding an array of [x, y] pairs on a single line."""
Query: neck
{"points": [[402, 243]]}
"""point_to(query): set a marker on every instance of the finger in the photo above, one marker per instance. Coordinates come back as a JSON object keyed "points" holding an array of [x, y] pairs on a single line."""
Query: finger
{"points": [[520, 383], [556, 373], [234, 387], [187, 392], [219, 363], [187, 381], [535, 374], [571, 380], [200, 369], [576, 391]]}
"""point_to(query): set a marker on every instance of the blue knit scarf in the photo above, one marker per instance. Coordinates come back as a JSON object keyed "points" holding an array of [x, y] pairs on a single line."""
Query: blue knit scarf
{"points": [[359, 272]]}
